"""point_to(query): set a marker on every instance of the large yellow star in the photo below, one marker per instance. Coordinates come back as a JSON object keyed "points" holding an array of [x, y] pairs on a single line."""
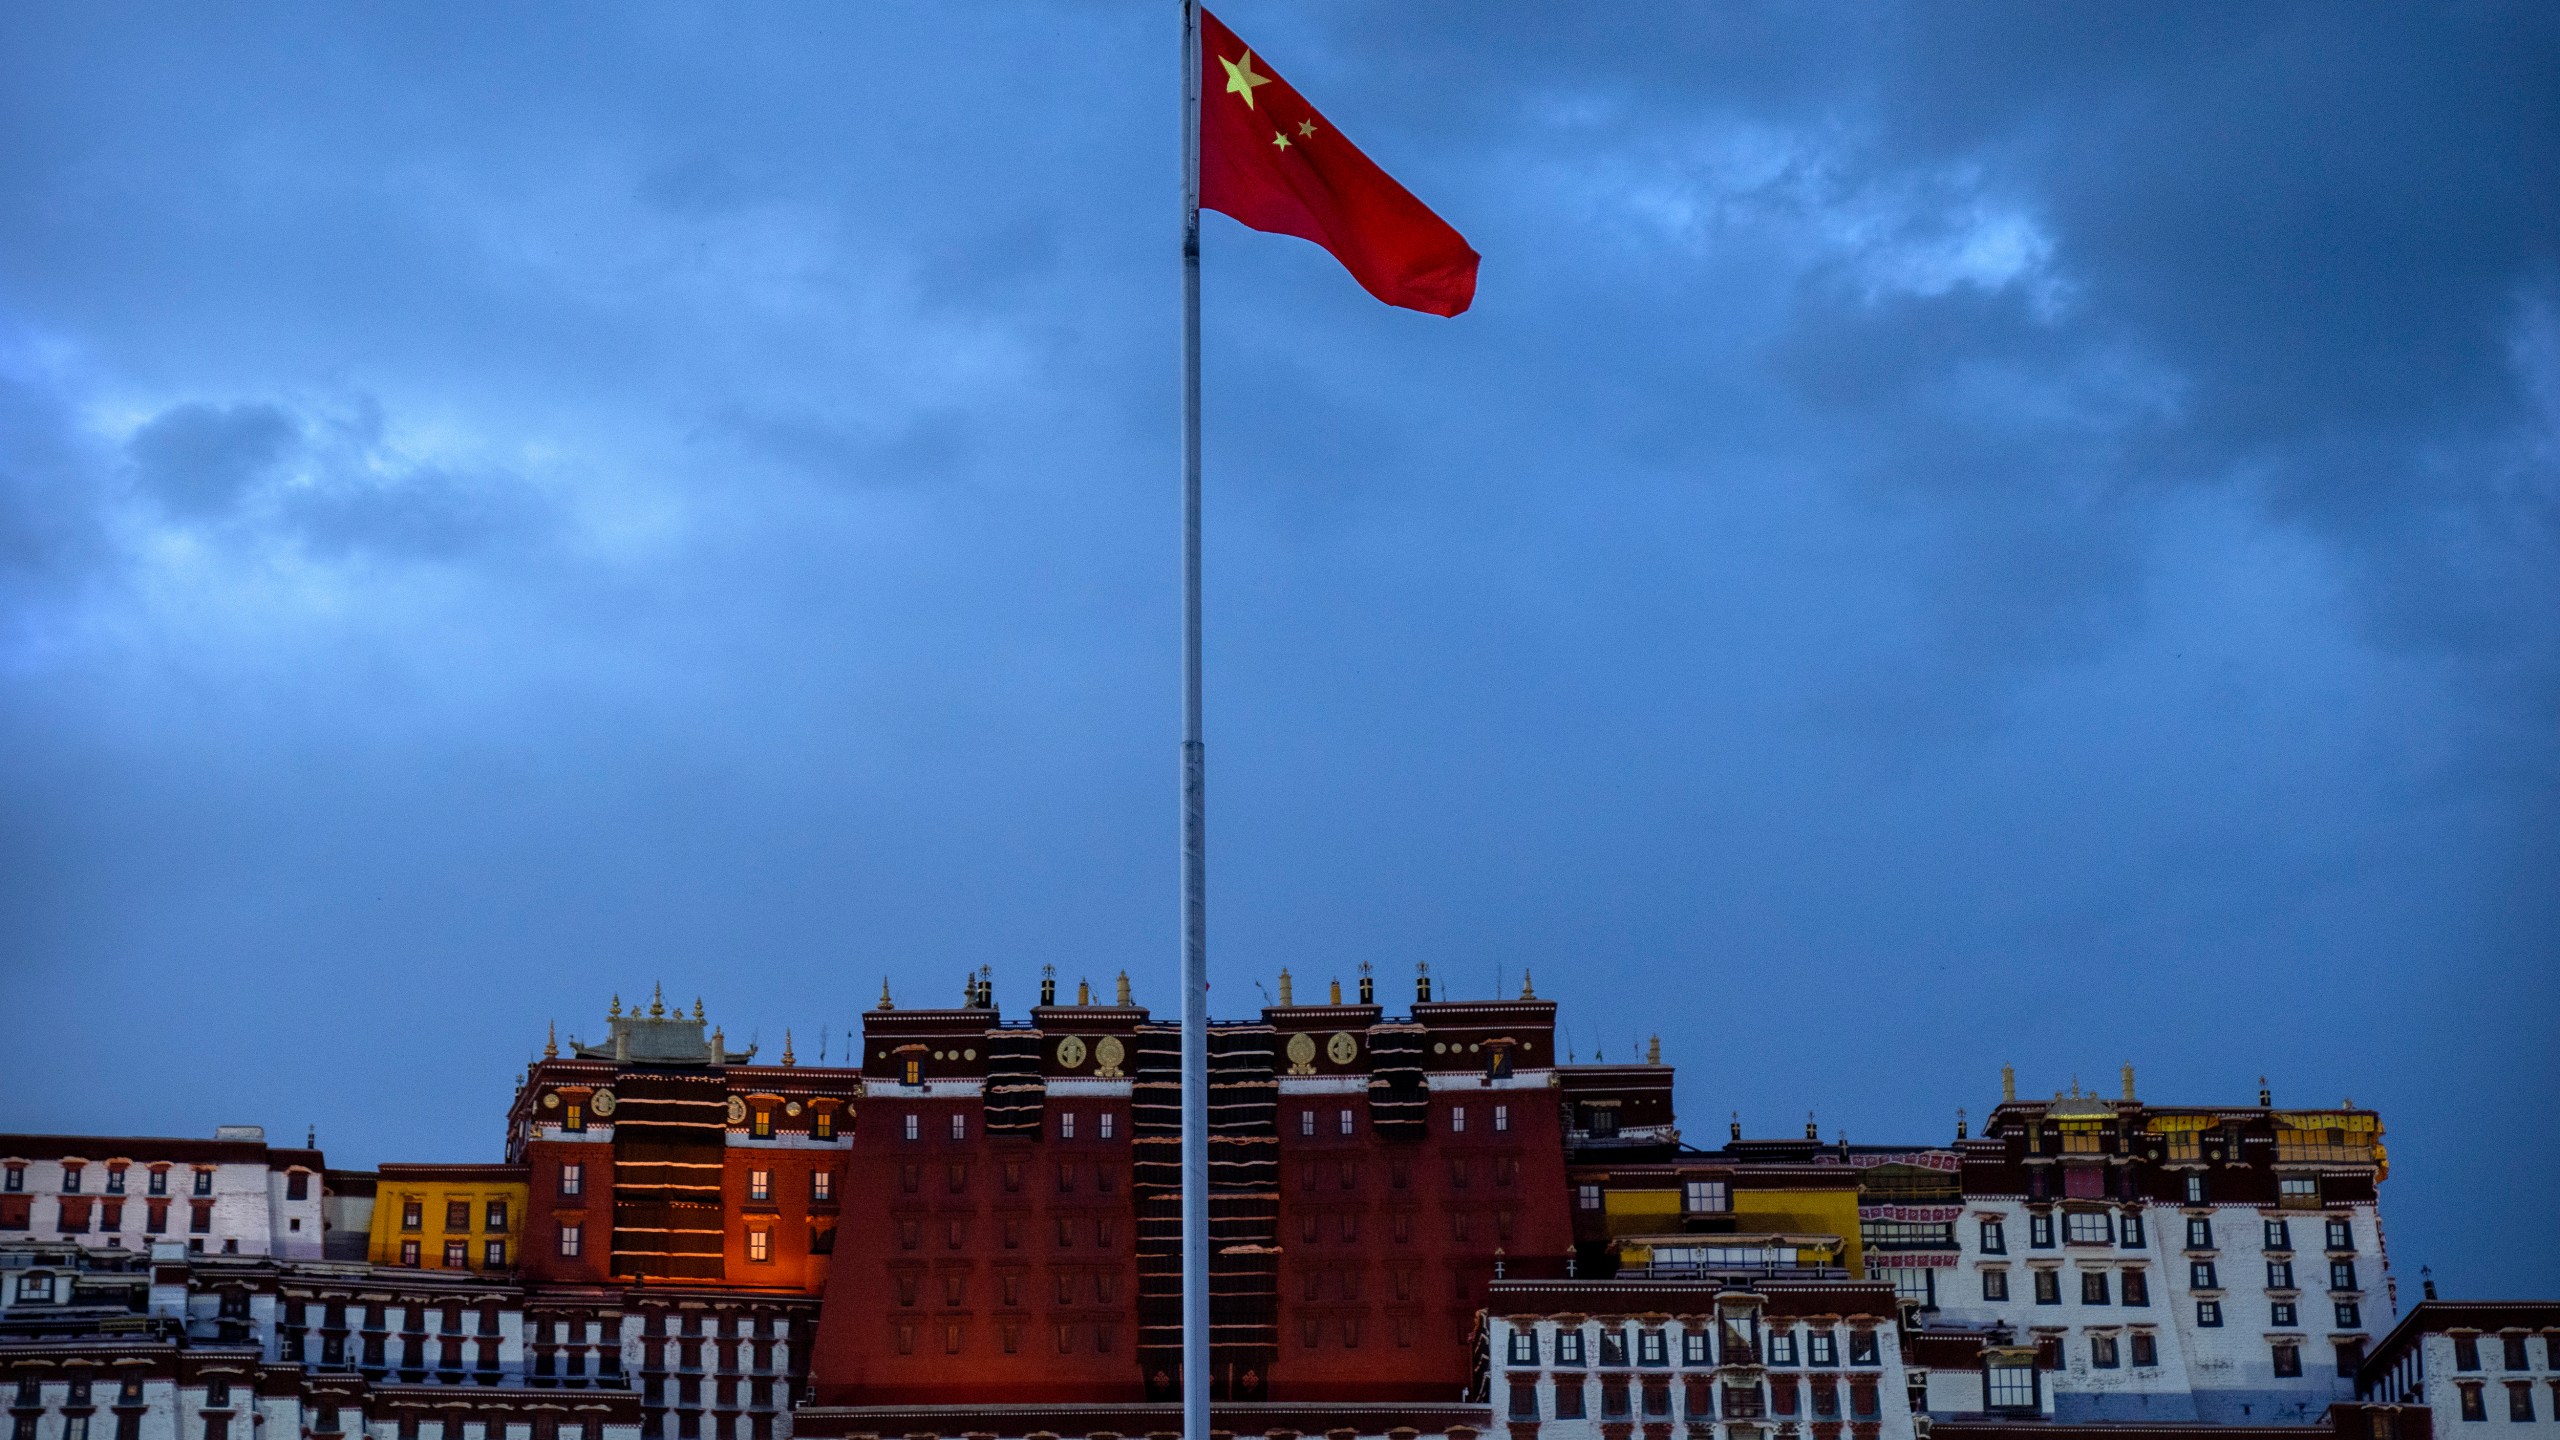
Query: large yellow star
{"points": [[1241, 79]]}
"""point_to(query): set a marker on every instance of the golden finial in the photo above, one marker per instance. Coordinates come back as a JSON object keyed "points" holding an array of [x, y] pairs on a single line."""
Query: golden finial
{"points": [[551, 1046], [2008, 1083], [1653, 1051], [1337, 992], [658, 1002], [885, 1002], [1124, 1002], [1528, 987], [1084, 992], [616, 1012], [697, 1008], [787, 1059], [719, 1046], [1285, 997], [2128, 1080]]}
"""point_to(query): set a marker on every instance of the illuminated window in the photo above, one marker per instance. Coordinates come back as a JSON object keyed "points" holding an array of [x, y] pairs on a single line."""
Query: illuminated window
{"points": [[759, 1244], [573, 1117], [2081, 1137], [1343, 1122], [457, 1254], [1706, 1197], [914, 1128], [959, 1127], [570, 1237], [764, 1122], [1102, 1124], [1457, 1119], [822, 1125], [1501, 1118], [822, 1185], [759, 1184], [573, 1180]]}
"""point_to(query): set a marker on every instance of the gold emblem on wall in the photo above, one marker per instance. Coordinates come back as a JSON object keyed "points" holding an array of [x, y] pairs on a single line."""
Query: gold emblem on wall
{"points": [[602, 1102], [737, 1110], [1302, 1054], [1342, 1049], [1108, 1052], [1071, 1051]]}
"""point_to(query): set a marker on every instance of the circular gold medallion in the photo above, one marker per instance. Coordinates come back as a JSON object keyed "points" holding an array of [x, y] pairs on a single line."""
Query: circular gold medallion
{"points": [[737, 1110], [791, 1109], [551, 1101], [1108, 1052], [1342, 1049], [602, 1102], [1071, 1051], [1302, 1049]]}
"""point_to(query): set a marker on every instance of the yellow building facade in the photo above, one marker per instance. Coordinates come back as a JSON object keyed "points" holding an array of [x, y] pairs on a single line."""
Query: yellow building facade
{"points": [[448, 1217]]}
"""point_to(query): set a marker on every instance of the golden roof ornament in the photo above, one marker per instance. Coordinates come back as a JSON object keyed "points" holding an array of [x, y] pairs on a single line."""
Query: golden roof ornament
{"points": [[1124, 1001], [1653, 1051], [1084, 992], [551, 1045], [615, 1013], [657, 1002], [1337, 991], [697, 1007], [1285, 997], [2008, 1083], [885, 1002], [1528, 987], [2128, 1080], [788, 1060], [719, 1046]]}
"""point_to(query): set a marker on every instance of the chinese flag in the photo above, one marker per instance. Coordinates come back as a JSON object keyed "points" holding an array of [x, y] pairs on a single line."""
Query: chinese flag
{"points": [[1268, 159]]}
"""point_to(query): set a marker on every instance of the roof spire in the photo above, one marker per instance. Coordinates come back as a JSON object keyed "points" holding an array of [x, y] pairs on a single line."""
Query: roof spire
{"points": [[616, 1012], [657, 1002], [1084, 992], [2128, 1080], [551, 1046], [885, 1002], [1285, 997], [1735, 1129], [1368, 985], [1653, 1051], [2266, 1097], [2008, 1083], [1337, 991], [1959, 1122], [1810, 1133], [1528, 987], [787, 1059], [697, 1008]]}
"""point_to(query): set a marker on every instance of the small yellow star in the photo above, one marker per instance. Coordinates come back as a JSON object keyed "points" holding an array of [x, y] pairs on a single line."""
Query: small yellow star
{"points": [[1241, 79], [1279, 139], [1306, 129]]}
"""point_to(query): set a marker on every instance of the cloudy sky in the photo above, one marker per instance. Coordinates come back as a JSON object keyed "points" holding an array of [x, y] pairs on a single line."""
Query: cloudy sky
{"points": [[1951, 536]]}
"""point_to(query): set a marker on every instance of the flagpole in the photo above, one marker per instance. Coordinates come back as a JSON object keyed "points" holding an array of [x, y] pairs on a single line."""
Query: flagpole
{"points": [[1195, 856]]}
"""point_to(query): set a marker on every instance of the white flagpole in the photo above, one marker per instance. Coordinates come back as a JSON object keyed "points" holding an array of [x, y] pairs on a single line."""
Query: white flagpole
{"points": [[1195, 858]]}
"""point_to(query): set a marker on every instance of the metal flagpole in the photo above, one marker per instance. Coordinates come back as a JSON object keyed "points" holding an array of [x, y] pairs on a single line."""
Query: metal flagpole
{"points": [[1195, 857]]}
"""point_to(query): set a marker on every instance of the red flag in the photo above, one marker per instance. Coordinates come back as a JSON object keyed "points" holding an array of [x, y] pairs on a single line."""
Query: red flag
{"points": [[1268, 159]]}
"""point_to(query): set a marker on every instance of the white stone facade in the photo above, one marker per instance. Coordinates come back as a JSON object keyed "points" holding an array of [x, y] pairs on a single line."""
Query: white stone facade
{"points": [[228, 1196], [2215, 1319]]}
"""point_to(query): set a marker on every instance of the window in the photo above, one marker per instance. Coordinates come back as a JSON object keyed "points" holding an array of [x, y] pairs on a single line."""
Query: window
{"points": [[494, 1254], [217, 1394], [1706, 1197], [1571, 1396], [2102, 1352], [2519, 1400], [822, 1125], [159, 1181], [457, 1254], [14, 1179], [1651, 1348], [573, 1180], [2199, 1233], [2473, 1407], [204, 1182], [495, 1217], [2515, 1356], [2137, 1287], [959, 1126], [2146, 1350], [457, 1214], [1995, 1283], [2349, 1315], [1457, 1119], [574, 1117], [2048, 1287], [1306, 1122], [1524, 1347], [2093, 1287], [2288, 1359], [2088, 1227], [570, 1235], [1587, 1196], [2195, 1189], [2350, 1357], [1782, 1347], [2342, 1275], [2202, 1276], [2279, 1274], [1569, 1347], [1693, 1348], [2279, 1235], [759, 1244], [914, 1123], [409, 1253], [2466, 1352], [1862, 1347], [413, 1214], [2009, 1385], [1995, 1240], [2282, 1314], [2299, 1188], [35, 1287], [297, 1184], [1821, 1349], [2208, 1314], [2129, 1229], [2040, 1231], [1343, 1121], [1501, 1119], [822, 1184], [912, 1073], [1067, 1125], [759, 1184], [2342, 1236], [1103, 1124], [1613, 1345]]}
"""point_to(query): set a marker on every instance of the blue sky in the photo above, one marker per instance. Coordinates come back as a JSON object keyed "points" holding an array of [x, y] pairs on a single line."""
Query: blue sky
{"points": [[1951, 536]]}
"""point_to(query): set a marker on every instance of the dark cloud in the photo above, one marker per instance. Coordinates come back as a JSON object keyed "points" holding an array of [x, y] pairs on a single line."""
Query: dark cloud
{"points": [[2017, 533]]}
